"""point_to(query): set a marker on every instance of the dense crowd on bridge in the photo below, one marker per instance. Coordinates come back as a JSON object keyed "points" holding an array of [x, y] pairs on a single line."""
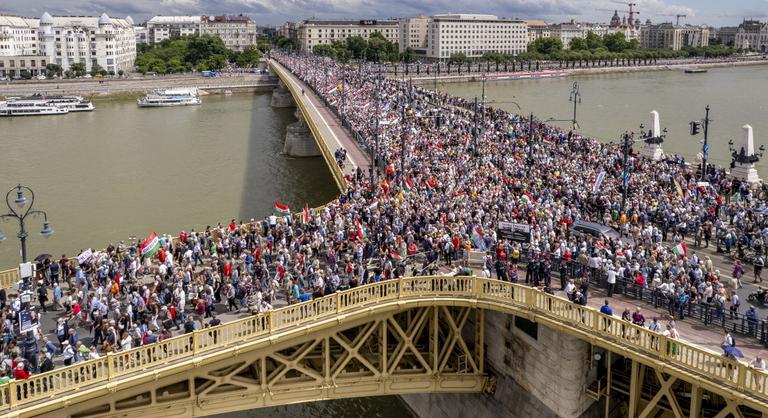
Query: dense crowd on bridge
{"points": [[439, 197]]}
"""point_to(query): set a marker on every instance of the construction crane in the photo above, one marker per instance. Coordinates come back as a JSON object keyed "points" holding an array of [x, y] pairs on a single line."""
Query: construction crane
{"points": [[632, 12], [677, 18]]}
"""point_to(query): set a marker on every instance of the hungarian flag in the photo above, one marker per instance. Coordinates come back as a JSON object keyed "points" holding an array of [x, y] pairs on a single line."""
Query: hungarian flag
{"points": [[361, 233], [150, 245], [680, 249], [526, 198], [282, 209], [395, 255], [305, 214], [430, 183], [373, 205], [408, 185]]}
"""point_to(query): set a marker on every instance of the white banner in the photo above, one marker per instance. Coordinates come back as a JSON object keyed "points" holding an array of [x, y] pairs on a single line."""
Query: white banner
{"points": [[598, 182], [85, 256]]}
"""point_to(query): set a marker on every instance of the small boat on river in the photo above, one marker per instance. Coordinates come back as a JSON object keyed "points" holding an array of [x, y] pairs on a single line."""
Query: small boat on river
{"points": [[170, 97]]}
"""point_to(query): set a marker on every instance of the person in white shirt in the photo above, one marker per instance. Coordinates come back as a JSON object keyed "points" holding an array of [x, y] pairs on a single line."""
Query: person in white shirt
{"points": [[611, 279], [758, 365]]}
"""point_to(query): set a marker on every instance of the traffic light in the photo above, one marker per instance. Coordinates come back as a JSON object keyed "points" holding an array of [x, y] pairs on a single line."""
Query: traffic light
{"points": [[695, 127]]}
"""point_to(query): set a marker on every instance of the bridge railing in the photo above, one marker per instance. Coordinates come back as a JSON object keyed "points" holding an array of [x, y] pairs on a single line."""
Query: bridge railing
{"points": [[686, 356]]}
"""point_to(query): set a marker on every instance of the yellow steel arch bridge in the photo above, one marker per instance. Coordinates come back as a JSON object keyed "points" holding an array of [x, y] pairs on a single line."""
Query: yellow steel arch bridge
{"points": [[412, 335]]}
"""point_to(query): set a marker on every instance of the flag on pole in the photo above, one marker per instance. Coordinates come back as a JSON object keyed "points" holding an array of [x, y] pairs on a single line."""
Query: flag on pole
{"points": [[150, 245], [282, 209], [477, 238], [395, 255], [373, 205], [331, 90], [361, 233], [305, 214], [408, 185], [680, 249], [526, 198]]}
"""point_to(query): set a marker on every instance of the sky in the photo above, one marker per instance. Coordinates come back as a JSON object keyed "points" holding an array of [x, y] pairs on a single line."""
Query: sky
{"points": [[276, 12]]}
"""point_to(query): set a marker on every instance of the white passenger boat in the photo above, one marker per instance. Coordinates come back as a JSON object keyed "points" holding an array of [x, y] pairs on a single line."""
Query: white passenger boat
{"points": [[30, 108], [71, 103], [170, 97]]}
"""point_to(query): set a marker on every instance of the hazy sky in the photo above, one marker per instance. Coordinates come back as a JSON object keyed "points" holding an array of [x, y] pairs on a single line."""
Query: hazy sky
{"points": [[275, 12]]}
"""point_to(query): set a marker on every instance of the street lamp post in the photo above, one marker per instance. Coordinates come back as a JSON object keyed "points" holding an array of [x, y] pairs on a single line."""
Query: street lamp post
{"points": [[627, 142], [695, 126], [575, 97], [20, 214]]}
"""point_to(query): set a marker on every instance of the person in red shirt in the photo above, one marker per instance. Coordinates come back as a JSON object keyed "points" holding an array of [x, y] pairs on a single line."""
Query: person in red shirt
{"points": [[232, 225], [20, 373]]}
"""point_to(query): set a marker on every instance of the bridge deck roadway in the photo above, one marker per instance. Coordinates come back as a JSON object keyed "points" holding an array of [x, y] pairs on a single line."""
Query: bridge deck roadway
{"points": [[332, 133]]}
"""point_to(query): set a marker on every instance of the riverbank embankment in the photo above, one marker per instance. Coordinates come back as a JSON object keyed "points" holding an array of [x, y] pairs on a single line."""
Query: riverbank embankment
{"points": [[108, 87], [475, 76]]}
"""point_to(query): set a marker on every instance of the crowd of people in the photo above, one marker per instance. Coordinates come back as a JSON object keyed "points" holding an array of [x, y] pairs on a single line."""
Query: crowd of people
{"points": [[462, 171]]}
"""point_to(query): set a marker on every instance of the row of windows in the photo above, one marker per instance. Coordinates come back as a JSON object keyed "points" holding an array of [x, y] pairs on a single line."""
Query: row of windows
{"points": [[22, 63]]}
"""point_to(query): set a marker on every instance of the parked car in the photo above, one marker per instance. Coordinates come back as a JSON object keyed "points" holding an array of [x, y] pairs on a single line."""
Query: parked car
{"points": [[583, 228], [41, 77]]}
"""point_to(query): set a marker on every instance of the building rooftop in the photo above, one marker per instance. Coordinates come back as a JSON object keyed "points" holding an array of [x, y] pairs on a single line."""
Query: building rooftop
{"points": [[227, 19], [536, 22], [364, 22], [174, 19]]}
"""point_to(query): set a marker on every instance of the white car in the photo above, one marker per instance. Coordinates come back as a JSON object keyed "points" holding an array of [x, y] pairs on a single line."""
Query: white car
{"points": [[41, 77]]}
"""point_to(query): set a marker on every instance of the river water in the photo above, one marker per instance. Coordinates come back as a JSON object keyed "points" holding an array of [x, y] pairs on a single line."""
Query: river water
{"points": [[617, 102], [122, 171]]}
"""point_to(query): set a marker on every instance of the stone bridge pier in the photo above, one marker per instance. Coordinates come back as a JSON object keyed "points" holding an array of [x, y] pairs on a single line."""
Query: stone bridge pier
{"points": [[299, 141]]}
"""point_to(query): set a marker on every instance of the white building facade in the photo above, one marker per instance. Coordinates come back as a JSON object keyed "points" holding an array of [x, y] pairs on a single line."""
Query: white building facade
{"points": [[324, 32], [19, 47], [474, 35], [160, 28], [236, 32], [108, 42], [414, 33]]}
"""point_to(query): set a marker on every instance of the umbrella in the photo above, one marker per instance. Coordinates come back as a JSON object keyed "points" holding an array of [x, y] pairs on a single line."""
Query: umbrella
{"points": [[733, 351], [42, 257]]}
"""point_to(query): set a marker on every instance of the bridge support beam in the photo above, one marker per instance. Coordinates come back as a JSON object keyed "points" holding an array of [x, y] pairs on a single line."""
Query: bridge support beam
{"points": [[299, 141]]}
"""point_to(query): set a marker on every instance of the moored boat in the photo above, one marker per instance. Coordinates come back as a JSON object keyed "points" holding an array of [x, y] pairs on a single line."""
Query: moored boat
{"points": [[30, 108], [695, 70], [170, 97], [71, 103]]}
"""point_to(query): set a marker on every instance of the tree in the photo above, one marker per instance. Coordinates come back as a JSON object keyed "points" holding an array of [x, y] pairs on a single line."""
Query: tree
{"points": [[78, 69], [53, 70], [545, 46], [25, 74], [615, 42], [378, 47], [214, 62], [97, 69], [284, 43], [407, 55], [458, 58], [357, 46], [204, 48], [324, 51], [249, 57], [594, 41], [120, 73], [579, 44]]}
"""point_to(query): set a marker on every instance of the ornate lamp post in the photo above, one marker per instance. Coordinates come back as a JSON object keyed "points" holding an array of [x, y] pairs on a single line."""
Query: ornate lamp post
{"points": [[18, 212], [575, 97]]}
